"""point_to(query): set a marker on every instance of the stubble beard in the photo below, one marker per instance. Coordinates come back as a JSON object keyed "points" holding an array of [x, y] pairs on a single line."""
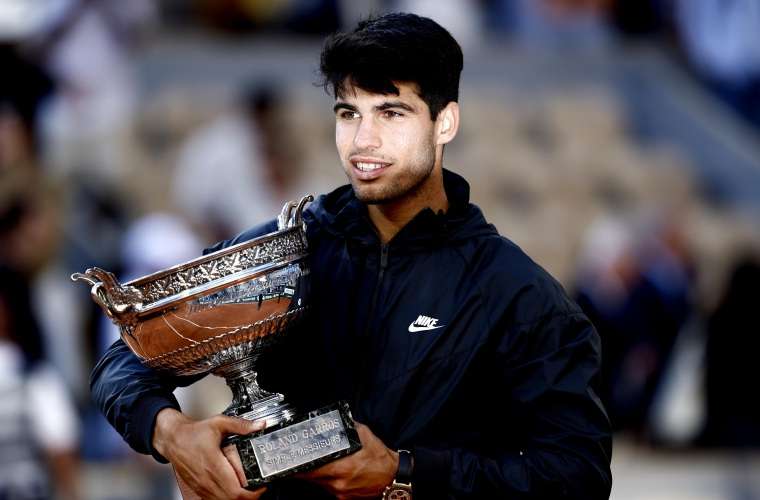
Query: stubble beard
{"points": [[402, 185]]}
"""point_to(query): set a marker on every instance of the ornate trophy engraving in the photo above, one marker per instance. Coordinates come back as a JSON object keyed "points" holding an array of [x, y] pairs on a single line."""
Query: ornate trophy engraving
{"points": [[218, 314]]}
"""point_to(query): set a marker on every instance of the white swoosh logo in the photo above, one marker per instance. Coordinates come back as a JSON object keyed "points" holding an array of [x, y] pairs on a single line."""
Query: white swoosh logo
{"points": [[414, 328]]}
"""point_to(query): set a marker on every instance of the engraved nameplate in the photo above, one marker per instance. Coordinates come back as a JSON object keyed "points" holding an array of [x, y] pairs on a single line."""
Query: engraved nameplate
{"points": [[300, 443]]}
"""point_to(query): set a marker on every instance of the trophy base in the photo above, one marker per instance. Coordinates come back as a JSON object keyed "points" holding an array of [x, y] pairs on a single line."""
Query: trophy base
{"points": [[249, 401], [297, 444], [271, 408]]}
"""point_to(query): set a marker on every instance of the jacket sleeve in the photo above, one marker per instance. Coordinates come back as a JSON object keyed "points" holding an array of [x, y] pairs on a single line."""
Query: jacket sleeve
{"points": [[129, 394], [548, 369]]}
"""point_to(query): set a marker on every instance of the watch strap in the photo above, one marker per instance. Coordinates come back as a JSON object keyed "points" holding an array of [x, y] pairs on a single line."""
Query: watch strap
{"points": [[401, 487], [404, 473]]}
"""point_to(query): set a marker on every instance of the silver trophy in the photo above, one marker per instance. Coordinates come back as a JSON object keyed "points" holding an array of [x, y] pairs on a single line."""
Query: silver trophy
{"points": [[218, 314]]}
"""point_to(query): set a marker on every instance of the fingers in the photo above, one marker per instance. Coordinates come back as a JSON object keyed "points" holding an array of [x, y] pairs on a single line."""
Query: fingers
{"points": [[234, 459], [186, 492], [320, 474], [215, 479], [361, 475], [362, 429], [232, 482], [232, 425], [228, 480], [210, 472], [328, 472]]}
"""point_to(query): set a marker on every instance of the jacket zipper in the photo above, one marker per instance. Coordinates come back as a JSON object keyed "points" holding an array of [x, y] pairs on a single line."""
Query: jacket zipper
{"points": [[376, 293], [365, 339]]}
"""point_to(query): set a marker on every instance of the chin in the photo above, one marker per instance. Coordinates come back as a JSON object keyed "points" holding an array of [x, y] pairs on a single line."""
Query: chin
{"points": [[370, 196], [375, 198]]}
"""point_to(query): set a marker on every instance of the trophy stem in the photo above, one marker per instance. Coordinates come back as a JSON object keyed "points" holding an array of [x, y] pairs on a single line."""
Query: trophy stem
{"points": [[250, 401]]}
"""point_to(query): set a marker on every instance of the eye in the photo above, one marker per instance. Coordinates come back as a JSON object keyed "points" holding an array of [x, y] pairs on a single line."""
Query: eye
{"points": [[348, 115], [389, 113]]}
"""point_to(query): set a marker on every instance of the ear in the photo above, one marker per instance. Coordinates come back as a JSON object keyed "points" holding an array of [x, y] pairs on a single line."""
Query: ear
{"points": [[447, 123]]}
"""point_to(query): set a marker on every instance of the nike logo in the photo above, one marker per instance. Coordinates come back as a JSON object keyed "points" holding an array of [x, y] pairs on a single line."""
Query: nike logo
{"points": [[424, 323]]}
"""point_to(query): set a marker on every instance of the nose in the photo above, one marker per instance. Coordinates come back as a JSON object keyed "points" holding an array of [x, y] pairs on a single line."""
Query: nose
{"points": [[367, 135]]}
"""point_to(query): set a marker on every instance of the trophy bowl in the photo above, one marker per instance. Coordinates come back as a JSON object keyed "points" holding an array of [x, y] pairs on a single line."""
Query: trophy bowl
{"points": [[218, 314]]}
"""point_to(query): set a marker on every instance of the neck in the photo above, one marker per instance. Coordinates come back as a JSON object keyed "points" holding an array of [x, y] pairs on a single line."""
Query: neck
{"points": [[389, 218]]}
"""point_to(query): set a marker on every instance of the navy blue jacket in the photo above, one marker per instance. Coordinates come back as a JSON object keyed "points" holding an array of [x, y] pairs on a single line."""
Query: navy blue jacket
{"points": [[497, 401]]}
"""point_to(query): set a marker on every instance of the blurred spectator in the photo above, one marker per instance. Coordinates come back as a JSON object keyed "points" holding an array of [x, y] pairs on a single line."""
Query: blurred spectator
{"points": [[635, 285], [39, 432], [733, 415], [31, 207], [38, 438], [29, 230], [84, 143], [240, 169], [88, 50], [21, 98], [606, 278], [17, 263]]}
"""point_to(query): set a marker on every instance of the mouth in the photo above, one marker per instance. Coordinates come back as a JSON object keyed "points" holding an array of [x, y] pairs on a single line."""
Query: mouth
{"points": [[368, 168]]}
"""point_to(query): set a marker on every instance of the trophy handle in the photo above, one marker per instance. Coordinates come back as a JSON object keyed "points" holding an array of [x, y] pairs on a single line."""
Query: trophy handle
{"points": [[283, 220], [292, 213], [298, 216], [119, 302]]}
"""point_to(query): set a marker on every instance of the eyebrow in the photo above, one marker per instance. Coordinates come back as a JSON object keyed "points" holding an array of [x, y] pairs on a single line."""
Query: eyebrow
{"points": [[343, 105], [395, 104], [380, 107]]}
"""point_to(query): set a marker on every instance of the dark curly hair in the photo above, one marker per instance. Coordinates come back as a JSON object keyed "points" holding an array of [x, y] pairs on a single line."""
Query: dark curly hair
{"points": [[396, 47]]}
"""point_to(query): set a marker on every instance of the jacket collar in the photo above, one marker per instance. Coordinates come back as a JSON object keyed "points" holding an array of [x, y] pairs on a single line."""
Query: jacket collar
{"points": [[342, 214]]}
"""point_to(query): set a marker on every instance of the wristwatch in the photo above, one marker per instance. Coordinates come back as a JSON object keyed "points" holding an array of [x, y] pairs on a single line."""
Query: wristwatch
{"points": [[401, 487]]}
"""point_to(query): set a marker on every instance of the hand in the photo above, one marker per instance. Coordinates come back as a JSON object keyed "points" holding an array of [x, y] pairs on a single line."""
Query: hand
{"points": [[365, 474], [193, 449]]}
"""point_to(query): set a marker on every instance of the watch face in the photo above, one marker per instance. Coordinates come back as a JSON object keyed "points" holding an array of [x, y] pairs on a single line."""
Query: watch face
{"points": [[399, 494]]}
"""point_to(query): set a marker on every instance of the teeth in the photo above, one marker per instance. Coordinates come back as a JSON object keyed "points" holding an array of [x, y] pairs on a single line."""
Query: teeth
{"points": [[368, 167]]}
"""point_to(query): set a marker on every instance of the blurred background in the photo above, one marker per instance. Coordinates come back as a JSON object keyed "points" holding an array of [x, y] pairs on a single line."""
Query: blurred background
{"points": [[616, 141]]}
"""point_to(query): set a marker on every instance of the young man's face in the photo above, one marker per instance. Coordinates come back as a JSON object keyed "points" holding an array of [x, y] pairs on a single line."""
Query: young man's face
{"points": [[385, 142]]}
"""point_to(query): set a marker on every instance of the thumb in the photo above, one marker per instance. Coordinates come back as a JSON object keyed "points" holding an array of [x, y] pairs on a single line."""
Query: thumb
{"points": [[233, 425]]}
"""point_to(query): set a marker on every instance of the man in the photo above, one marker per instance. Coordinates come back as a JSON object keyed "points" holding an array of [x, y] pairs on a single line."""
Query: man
{"points": [[470, 371]]}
